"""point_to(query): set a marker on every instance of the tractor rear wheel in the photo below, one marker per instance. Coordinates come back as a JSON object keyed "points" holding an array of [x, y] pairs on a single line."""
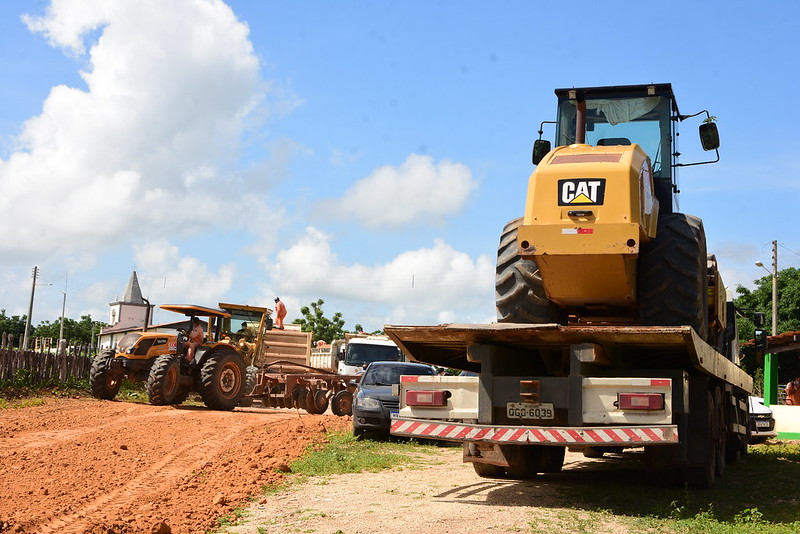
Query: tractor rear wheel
{"points": [[163, 384], [104, 381], [222, 377], [249, 385], [519, 293], [673, 281]]}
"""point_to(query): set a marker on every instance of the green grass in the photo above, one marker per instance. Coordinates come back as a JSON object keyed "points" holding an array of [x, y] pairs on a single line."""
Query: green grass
{"points": [[344, 453], [756, 496]]}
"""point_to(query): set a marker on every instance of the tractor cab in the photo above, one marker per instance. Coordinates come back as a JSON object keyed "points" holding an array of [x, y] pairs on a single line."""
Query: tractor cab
{"points": [[213, 319], [646, 115]]}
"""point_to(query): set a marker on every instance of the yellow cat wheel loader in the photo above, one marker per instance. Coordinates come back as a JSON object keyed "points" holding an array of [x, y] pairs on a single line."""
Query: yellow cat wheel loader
{"points": [[217, 372], [613, 328]]}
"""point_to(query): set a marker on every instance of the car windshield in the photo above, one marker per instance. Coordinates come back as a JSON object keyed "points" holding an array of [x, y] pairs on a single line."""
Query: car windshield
{"points": [[386, 375], [362, 353]]}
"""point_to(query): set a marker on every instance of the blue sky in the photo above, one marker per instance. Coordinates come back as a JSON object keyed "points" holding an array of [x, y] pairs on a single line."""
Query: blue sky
{"points": [[365, 153]]}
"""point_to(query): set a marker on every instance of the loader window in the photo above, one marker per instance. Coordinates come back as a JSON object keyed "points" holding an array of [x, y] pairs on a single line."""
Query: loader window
{"points": [[642, 120]]}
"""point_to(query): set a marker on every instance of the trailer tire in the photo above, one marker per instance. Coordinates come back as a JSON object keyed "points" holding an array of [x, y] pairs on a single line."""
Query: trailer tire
{"points": [[104, 381], [673, 277], [249, 385], [222, 378], [317, 401], [342, 403], [489, 470], [519, 293], [702, 437], [163, 383]]}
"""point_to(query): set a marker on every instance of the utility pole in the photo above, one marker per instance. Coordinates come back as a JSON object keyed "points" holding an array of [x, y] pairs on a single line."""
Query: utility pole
{"points": [[775, 288], [63, 307], [30, 310]]}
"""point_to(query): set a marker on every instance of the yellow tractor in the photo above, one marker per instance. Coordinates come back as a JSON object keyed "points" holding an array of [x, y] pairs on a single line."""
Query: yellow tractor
{"points": [[217, 371], [599, 242]]}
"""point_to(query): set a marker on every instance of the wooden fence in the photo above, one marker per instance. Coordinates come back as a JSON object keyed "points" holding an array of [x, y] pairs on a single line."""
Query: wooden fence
{"points": [[45, 365]]}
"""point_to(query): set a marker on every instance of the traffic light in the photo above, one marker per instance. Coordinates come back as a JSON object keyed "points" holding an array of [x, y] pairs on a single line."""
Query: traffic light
{"points": [[760, 338]]}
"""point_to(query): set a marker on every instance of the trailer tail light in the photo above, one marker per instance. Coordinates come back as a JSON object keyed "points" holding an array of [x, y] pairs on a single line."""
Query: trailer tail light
{"points": [[640, 401], [427, 398]]}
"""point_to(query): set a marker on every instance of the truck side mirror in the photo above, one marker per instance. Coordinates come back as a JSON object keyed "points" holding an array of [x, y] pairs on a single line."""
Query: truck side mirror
{"points": [[540, 149], [709, 136]]}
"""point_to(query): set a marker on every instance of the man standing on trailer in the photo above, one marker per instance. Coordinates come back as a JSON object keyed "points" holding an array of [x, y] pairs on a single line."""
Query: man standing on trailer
{"points": [[280, 313]]}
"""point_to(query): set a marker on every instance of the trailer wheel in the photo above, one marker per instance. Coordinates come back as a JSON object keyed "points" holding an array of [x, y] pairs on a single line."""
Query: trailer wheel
{"points": [[519, 293], [249, 385], [222, 377], [489, 470], [526, 461], [673, 277], [104, 381], [702, 438], [721, 432], [342, 403], [163, 383], [317, 401]]}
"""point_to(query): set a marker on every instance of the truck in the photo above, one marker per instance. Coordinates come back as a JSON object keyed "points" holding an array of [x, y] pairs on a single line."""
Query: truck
{"points": [[285, 371], [613, 326]]}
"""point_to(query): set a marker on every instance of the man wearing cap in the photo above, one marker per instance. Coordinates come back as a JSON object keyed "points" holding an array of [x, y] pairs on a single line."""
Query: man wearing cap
{"points": [[280, 313]]}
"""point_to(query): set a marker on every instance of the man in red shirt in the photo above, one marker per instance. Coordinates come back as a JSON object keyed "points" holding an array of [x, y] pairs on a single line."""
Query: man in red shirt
{"points": [[280, 313]]}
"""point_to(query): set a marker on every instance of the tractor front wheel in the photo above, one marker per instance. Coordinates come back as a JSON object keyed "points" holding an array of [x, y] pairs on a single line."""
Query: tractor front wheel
{"points": [[222, 379], [163, 383], [104, 380]]}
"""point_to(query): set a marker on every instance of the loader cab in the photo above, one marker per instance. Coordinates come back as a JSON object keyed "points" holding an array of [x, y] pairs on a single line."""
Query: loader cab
{"points": [[621, 115]]}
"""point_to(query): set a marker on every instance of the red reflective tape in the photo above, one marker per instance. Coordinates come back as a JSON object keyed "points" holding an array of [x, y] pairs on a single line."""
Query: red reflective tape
{"points": [[594, 436], [409, 378], [412, 427], [585, 231], [632, 434], [575, 435], [516, 435], [540, 437], [651, 434], [661, 382], [499, 433], [557, 436], [463, 432], [428, 429], [614, 436]]}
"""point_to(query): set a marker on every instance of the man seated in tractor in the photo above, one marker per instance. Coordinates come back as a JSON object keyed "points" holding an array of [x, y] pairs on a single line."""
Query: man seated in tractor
{"points": [[196, 336]]}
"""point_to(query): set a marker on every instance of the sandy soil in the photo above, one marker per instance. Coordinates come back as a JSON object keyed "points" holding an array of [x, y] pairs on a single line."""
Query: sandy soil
{"points": [[90, 466]]}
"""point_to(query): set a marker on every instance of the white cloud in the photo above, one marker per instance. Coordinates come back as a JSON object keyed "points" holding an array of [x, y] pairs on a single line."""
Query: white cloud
{"points": [[169, 89], [166, 277], [394, 196], [424, 286]]}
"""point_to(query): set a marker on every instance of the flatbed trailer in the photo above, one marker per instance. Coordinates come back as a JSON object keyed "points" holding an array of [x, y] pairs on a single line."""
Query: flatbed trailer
{"points": [[540, 388]]}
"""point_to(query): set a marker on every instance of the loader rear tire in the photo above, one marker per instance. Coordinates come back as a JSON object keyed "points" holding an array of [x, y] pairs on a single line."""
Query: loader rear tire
{"points": [[519, 293], [222, 377], [163, 384], [673, 281], [249, 385], [104, 381]]}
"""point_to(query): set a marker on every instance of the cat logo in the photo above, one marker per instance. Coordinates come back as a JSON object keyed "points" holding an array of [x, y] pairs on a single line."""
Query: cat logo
{"points": [[581, 192]]}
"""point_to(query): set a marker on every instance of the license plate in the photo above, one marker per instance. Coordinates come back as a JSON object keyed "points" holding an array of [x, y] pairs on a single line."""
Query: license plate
{"points": [[522, 410], [762, 424], [393, 414]]}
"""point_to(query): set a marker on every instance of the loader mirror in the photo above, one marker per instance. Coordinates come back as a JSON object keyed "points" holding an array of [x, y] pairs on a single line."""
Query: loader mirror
{"points": [[709, 136], [540, 149]]}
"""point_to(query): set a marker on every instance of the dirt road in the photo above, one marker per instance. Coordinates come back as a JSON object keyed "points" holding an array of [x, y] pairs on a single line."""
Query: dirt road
{"points": [[84, 465]]}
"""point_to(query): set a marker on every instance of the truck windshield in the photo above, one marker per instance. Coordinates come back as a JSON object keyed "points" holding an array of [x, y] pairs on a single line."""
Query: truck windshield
{"points": [[360, 354], [622, 121]]}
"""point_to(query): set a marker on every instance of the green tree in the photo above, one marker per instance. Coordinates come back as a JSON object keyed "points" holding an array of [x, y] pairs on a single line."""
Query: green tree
{"points": [[314, 320], [760, 300], [74, 331], [13, 325]]}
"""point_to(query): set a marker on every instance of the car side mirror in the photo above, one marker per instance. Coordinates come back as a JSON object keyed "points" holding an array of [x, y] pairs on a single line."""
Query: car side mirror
{"points": [[353, 382], [540, 149], [709, 136]]}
